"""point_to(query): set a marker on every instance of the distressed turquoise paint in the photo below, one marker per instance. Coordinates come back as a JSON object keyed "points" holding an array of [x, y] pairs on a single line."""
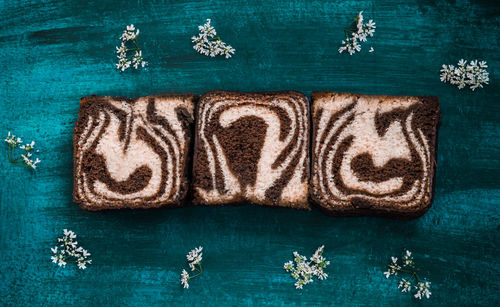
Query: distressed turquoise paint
{"points": [[54, 52]]}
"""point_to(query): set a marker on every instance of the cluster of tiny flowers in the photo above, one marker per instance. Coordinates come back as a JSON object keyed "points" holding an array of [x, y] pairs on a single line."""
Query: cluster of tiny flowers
{"points": [[67, 249], [129, 37], [26, 158], [208, 44], [357, 33], [303, 270], [194, 258], [407, 266], [473, 74]]}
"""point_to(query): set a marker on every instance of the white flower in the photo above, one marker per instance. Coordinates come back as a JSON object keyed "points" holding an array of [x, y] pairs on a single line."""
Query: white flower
{"points": [[81, 265], [70, 248], [407, 259], [387, 274], [195, 255], [194, 258], [205, 42], [405, 285], [360, 34], [185, 279], [130, 34], [303, 270], [473, 74], [137, 60], [423, 289], [371, 49], [25, 159]]}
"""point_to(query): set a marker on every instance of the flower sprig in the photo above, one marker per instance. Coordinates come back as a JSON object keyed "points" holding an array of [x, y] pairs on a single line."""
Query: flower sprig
{"points": [[303, 270], [413, 281], [129, 43], [473, 74], [357, 32], [68, 250], [25, 159], [194, 258], [207, 43]]}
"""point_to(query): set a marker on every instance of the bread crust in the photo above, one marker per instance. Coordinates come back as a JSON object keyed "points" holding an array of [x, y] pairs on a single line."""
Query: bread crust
{"points": [[90, 103], [207, 98], [367, 207]]}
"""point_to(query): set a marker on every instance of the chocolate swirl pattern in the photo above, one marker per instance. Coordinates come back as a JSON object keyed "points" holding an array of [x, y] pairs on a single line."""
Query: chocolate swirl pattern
{"points": [[132, 153], [252, 147], [373, 154]]}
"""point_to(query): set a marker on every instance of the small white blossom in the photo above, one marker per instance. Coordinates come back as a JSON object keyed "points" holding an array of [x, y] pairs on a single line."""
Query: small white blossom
{"points": [[303, 270], [208, 44], [194, 258], [185, 279], [69, 248], [423, 290], [24, 159], [129, 37], [358, 34], [405, 285], [129, 33], [473, 74], [408, 267], [407, 259], [371, 49]]}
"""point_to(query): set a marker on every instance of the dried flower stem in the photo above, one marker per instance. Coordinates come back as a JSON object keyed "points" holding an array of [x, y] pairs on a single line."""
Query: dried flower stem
{"points": [[25, 159], [408, 266], [129, 35], [194, 258]]}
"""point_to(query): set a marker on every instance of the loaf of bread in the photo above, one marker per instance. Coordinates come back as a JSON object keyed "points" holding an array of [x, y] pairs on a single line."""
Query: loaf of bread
{"points": [[132, 153], [373, 155], [252, 147]]}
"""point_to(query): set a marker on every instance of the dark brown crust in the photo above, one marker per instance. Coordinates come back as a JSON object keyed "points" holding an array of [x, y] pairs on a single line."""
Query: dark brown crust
{"points": [[200, 160], [371, 208], [86, 106]]}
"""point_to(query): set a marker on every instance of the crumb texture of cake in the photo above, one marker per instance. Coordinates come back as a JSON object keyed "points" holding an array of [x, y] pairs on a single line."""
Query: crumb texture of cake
{"points": [[373, 154], [132, 153], [252, 147]]}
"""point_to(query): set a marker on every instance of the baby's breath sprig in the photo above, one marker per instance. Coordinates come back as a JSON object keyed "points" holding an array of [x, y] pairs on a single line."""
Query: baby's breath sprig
{"points": [[25, 159], [303, 271], [357, 32], [473, 74], [407, 267], [194, 258], [208, 44], [68, 249], [129, 43]]}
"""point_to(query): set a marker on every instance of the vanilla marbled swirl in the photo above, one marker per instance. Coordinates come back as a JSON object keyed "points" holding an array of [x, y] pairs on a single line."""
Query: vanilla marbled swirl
{"points": [[356, 157], [280, 175], [131, 153]]}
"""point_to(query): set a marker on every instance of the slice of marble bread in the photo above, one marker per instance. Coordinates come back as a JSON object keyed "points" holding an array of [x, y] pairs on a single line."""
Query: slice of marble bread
{"points": [[373, 155], [252, 147], [132, 153]]}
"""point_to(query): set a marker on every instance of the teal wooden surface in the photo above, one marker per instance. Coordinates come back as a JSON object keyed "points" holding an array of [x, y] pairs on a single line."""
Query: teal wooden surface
{"points": [[54, 52]]}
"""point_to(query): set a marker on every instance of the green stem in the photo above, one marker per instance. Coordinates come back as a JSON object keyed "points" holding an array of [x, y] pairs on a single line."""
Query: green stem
{"points": [[412, 273], [200, 271], [136, 44]]}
